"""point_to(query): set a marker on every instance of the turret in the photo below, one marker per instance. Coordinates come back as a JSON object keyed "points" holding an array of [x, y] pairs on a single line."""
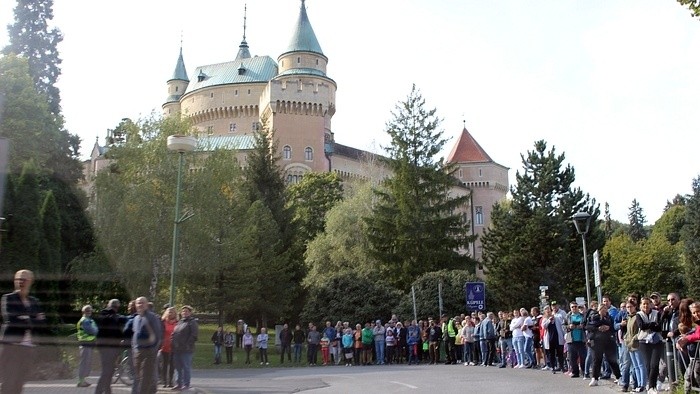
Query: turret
{"points": [[176, 87]]}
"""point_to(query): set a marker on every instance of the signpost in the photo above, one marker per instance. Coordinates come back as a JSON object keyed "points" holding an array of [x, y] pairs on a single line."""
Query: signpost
{"points": [[475, 293], [596, 275]]}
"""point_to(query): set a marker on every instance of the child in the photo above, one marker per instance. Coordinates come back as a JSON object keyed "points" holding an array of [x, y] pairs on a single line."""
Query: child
{"points": [[348, 341], [262, 345], [325, 351], [412, 342], [390, 345]]}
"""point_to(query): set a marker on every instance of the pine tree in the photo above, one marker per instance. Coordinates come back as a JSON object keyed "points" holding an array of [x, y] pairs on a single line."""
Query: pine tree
{"points": [[533, 235], [415, 226], [637, 221], [691, 240], [31, 38], [50, 252]]}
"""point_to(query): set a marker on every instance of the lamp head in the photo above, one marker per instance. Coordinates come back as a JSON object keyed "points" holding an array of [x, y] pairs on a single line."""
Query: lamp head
{"points": [[582, 221]]}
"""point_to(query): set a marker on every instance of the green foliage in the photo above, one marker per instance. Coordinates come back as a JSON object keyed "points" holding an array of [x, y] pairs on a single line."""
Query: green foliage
{"points": [[637, 221], [691, 241], [416, 226], [50, 252], [311, 199], [24, 237], [671, 223], [693, 6], [343, 246], [31, 38], [352, 297], [427, 296], [533, 235]]}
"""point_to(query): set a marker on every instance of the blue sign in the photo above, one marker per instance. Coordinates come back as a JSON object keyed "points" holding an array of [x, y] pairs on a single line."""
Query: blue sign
{"points": [[476, 296]]}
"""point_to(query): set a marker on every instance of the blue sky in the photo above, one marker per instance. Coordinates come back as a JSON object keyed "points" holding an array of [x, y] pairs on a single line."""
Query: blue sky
{"points": [[612, 84]]}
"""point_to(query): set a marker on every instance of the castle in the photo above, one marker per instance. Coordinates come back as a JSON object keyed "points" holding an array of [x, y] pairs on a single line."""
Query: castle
{"points": [[295, 95]]}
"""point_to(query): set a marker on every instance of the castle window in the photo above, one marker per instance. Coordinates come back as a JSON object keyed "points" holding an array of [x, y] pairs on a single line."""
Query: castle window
{"points": [[248, 91], [479, 215], [210, 130], [480, 174], [287, 152], [235, 92], [308, 154], [232, 127], [256, 126], [460, 173], [211, 95], [298, 59], [176, 88]]}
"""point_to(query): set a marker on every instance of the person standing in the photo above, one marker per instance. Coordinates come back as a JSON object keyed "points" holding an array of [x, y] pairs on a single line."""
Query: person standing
{"points": [[228, 345], [313, 339], [285, 343], [576, 325], [166, 349], [217, 338], [87, 334], [109, 342], [379, 333], [601, 327], [247, 341], [298, 337], [22, 318], [184, 337], [261, 341], [145, 342]]}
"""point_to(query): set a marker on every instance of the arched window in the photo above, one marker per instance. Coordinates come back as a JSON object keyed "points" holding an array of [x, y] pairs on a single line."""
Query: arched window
{"points": [[308, 154], [287, 152]]}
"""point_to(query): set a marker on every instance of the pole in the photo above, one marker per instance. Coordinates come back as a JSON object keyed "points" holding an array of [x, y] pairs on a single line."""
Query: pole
{"points": [[585, 265], [440, 298], [175, 229], [413, 293]]}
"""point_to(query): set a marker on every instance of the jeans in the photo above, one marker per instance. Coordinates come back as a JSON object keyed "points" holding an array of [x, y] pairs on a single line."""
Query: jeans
{"points": [[168, 370], [183, 365], [530, 351], [506, 346], [379, 350], [638, 370], [297, 352], [467, 356], [589, 361], [519, 345], [285, 348], [217, 353], [312, 353], [623, 355]]}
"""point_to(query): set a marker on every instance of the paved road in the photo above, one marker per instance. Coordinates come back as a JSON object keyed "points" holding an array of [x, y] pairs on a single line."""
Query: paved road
{"points": [[374, 379]]}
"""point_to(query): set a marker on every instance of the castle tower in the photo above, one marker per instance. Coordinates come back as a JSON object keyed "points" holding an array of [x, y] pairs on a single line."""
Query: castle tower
{"points": [[486, 179], [176, 87], [299, 103]]}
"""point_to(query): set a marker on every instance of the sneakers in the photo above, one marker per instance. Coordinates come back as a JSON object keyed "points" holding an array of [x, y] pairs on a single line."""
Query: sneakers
{"points": [[652, 390], [638, 389], [83, 384], [624, 389], [593, 383]]}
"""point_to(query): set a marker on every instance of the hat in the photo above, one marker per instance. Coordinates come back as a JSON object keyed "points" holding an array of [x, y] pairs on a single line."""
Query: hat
{"points": [[655, 295], [553, 303]]}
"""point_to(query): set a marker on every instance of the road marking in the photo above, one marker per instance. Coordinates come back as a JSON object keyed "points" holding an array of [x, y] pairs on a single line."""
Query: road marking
{"points": [[410, 386]]}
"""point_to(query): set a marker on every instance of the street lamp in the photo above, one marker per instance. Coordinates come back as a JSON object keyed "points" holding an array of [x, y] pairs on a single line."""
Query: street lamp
{"points": [[179, 144], [582, 221]]}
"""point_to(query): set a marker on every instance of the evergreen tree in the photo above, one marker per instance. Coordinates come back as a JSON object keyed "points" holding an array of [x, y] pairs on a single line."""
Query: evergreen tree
{"points": [[533, 235], [50, 252], [310, 199], [637, 221], [31, 38], [24, 237], [691, 241], [416, 225]]}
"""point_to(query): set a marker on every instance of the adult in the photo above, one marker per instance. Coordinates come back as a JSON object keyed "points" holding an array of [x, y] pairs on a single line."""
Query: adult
{"points": [[110, 343], [22, 318], [217, 338], [631, 329], [248, 340], [650, 344], [533, 339], [552, 331], [601, 328], [379, 333], [261, 342], [367, 340], [516, 327], [669, 331], [298, 337], [692, 373], [313, 339], [434, 335], [449, 333], [169, 319], [87, 334], [487, 339], [148, 334], [184, 337], [285, 343], [576, 325], [505, 337], [229, 339]]}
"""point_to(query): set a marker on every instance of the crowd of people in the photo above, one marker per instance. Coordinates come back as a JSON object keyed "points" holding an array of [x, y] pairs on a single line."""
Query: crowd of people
{"points": [[642, 343]]}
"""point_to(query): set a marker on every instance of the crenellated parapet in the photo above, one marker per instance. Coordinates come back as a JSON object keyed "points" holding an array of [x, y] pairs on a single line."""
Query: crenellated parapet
{"points": [[224, 112]]}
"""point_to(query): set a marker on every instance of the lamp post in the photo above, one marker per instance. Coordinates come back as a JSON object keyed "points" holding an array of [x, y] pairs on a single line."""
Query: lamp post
{"points": [[582, 221], [179, 144]]}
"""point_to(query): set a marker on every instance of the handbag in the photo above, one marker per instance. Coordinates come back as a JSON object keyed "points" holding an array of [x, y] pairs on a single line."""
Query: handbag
{"points": [[568, 337], [644, 336]]}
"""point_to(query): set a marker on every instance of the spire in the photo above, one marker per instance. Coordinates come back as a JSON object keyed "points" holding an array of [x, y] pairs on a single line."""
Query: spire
{"points": [[243, 52], [180, 71], [467, 150], [304, 38]]}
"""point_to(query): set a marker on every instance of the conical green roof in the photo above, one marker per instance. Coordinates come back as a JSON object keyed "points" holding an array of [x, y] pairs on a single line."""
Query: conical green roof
{"points": [[180, 71], [304, 38]]}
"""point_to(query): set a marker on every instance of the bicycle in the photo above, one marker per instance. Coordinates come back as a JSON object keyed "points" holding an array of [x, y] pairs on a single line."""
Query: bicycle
{"points": [[123, 370]]}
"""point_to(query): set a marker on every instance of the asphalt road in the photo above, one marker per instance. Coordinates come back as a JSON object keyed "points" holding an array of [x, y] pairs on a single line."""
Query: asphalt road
{"points": [[372, 379]]}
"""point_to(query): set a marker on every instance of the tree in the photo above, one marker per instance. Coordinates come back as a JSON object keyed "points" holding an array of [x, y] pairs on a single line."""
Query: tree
{"points": [[343, 246], [50, 251], [693, 6], [24, 237], [691, 241], [637, 221], [427, 297], [416, 225], [533, 234], [310, 200], [31, 38]]}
